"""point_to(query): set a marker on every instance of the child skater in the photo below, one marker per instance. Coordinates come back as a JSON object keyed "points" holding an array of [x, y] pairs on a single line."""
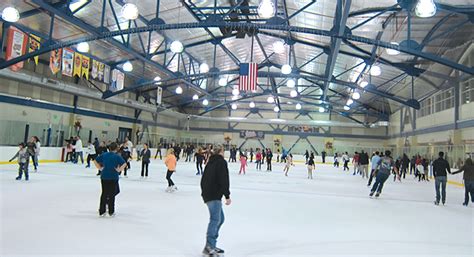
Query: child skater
{"points": [[243, 163], [170, 162], [110, 164], [289, 162], [23, 161], [145, 155], [311, 167]]}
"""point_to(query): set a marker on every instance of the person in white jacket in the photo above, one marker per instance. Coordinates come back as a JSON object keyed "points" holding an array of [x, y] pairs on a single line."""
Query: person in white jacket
{"points": [[91, 154], [78, 149]]}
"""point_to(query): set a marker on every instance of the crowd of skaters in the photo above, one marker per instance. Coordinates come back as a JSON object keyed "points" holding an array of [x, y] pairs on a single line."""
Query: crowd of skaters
{"points": [[113, 160]]}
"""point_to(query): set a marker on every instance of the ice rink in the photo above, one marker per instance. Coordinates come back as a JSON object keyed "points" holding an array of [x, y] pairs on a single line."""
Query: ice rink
{"points": [[55, 214]]}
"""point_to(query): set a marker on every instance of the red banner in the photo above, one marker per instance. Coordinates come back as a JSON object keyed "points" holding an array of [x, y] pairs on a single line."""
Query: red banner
{"points": [[16, 46]]}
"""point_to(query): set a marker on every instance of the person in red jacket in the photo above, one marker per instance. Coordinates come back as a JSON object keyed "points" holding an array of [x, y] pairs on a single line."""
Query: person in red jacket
{"points": [[258, 159], [355, 162]]}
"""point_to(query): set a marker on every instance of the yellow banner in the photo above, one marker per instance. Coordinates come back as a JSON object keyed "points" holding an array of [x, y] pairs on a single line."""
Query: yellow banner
{"points": [[34, 45], [86, 63], [329, 143], [77, 64]]}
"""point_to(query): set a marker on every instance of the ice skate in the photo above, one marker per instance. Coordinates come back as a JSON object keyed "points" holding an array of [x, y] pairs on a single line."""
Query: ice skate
{"points": [[168, 189], [371, 193], [174, 188], [377, 194], [436, 202], [209, 252]]}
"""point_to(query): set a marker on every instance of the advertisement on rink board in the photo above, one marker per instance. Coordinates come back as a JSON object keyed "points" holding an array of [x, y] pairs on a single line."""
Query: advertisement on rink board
{"points": [[252, 134]]}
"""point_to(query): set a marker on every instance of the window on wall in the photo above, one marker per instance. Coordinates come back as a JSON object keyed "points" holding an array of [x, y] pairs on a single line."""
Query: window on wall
{"points": [[436, 103], [467, 91]]}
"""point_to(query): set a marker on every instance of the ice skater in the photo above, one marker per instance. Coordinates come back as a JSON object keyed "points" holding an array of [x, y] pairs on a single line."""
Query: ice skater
{"points": [[374, 162], [384, 167], [289, 163], [126, 156], [215, 185], [258, 159], [199, 156], [311, 166], [145, 155], [269, 157], [91, 154], [243, 163], [468, 177], [441, 169], [170, 162], [23, 161], [345, 159], [110, 164], [100, 150], [355, 162]]}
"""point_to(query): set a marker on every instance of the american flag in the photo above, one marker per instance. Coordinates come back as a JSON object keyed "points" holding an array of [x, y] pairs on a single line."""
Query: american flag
{"points": [[248, 77]]}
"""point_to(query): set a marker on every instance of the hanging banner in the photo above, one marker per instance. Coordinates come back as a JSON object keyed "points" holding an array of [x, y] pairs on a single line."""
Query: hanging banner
{"points": [[95, 69], [55, 60], [159, 95], [252, 134], [329, 143], [100, 71], [77, 64], [86, 61], [34, 45], [16, 47], [117, 80], [68, 62], [106, 74]]}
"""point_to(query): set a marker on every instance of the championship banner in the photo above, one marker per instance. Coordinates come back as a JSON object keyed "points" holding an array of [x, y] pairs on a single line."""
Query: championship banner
{"points": [[55, 60], [95, 69], [277, 140], [77, 64], [16, 47], [86, 62], [328, 143], [117, 80], [100, 71], [252, 134], [159, 95], [106, 74], [68, 62], [34, 45]]}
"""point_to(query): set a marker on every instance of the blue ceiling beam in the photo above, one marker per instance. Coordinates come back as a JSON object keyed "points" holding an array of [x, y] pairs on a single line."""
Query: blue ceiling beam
{"points": [[339, 27]]}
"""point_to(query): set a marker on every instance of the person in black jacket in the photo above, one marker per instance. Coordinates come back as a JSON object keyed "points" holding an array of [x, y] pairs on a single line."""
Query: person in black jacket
{"points": [[145, 155], [199, 156], [468, 177], [100, 150], [440, 167], [214, 185]]}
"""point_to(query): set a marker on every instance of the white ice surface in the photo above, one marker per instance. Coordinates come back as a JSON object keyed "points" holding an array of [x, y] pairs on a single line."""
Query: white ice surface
{"points": [[55, 214]]}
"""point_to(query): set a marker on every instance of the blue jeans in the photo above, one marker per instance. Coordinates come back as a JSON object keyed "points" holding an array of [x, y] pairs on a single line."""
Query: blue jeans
{"points": [[379, 180], [441, 181], [215, 222], [468, 189]]}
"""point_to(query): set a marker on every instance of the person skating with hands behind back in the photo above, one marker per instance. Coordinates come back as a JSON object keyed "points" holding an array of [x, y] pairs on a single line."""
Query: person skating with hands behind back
{"points": [[110, 164], [215, 184]]}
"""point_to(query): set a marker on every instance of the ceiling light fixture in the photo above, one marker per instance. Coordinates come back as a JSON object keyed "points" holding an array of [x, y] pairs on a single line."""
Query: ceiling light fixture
{"points": [[252, 105], [279, 47], [177, 47], [276, 109], [179, 90], [391, 51], [286, 69], [363, 84], [223, 82], [270, 99], [83, 47], [195, 97], [10, 14], [291, 83], [321, 109], [375, 70], [158, 80], [293, 93], [129, 11], [234, 106], [127, 66], [298, 106], [356, 95], [203, 68], [235, 92], [347, 108], [349, 102], [205, 102], [425, 8], [266, 9]]}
